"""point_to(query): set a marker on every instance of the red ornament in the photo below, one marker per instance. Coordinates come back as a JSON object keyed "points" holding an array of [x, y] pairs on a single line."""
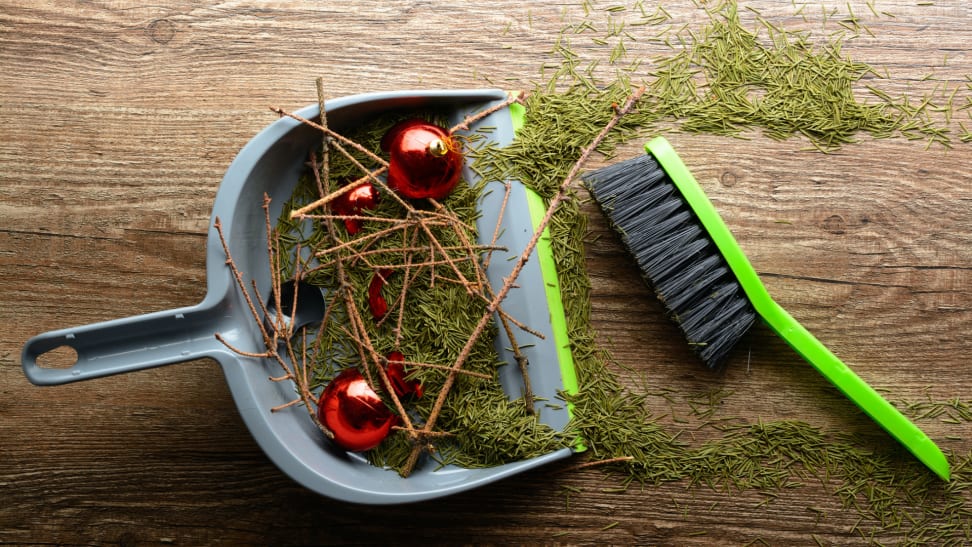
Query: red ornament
{"points": [[376, 302], [396, 374], [353, 202], [424, 160], [356, 415]]}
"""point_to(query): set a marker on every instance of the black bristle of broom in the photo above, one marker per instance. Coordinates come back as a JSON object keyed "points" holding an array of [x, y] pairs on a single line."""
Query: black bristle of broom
{"points": [[676, 255]]}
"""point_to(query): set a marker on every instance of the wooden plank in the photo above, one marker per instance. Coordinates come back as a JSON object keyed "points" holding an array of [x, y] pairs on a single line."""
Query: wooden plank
{"points": [[119, 120]]}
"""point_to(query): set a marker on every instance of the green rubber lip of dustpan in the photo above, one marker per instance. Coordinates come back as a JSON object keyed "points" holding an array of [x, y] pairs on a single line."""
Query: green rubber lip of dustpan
{"points": [[272, 163], [788, 328]]}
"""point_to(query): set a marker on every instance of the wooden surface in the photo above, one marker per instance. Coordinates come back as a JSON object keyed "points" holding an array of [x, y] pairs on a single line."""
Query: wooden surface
{"points": [[118, 120]]}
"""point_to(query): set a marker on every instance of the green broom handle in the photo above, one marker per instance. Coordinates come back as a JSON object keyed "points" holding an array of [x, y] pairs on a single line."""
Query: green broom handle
{"points": [[788, 328]]}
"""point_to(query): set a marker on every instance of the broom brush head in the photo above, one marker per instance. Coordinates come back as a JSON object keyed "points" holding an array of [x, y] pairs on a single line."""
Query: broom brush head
{"points": [[675, 254], [686, 251]]}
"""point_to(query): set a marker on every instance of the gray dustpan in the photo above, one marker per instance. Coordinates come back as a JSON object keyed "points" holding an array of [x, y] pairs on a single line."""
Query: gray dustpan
{"points": [[272, 163]]}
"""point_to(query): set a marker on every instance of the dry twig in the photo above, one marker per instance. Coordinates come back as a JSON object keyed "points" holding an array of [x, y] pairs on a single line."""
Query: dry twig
{"points": [[559, 197], [415, 257]]}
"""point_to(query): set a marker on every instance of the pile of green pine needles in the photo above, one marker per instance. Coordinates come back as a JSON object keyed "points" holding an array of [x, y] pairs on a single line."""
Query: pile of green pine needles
{"points": [[725, 78], [730, 79]]}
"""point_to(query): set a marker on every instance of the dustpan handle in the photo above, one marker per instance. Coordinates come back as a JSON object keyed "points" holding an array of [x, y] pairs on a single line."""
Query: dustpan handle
{"points": [[124, 345]]}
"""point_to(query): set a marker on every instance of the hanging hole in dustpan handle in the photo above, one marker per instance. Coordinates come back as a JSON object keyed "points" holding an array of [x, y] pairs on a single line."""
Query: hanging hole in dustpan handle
{"points": [[120, 345]]}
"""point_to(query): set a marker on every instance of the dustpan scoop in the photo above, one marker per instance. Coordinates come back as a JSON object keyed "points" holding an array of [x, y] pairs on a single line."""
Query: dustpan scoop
{"points": [[272, 163]]}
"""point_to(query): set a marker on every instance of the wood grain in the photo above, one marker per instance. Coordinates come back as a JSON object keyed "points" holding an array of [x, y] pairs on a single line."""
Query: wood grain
{"points": [[120, 118]]}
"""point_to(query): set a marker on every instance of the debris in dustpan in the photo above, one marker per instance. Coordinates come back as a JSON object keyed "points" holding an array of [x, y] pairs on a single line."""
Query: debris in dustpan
{"points": [[403, 360], [263, 315]]}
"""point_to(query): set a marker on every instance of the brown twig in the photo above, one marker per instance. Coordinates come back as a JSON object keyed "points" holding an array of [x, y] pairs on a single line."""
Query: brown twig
{"points": [[333, 134], [559, 197], [238, 277], [328, 198], [424, 434], [498, 229], [281, 328], [595, 463], [463, 239], [365, 347], [234, 349], [470, 373], [325, 199], [270, 341], [470, 287], [415, 249], [465, 124], [278, 408], [348, 245], [521, 360], [324, 174], [371, 175], [407, 275]]}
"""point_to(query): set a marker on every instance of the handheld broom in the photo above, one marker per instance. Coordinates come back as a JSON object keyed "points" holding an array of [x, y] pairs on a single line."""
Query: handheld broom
{"points": [[710, 289]]}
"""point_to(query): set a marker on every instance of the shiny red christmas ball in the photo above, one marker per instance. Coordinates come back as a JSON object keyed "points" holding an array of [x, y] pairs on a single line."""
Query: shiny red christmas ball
{"points": [[396, 374], [353, 203], [376, 301], [424, 160], [356, 415]]}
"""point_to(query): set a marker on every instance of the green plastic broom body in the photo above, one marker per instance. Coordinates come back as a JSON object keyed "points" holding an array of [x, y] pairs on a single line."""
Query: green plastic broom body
{"points": [[788, 328]]}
